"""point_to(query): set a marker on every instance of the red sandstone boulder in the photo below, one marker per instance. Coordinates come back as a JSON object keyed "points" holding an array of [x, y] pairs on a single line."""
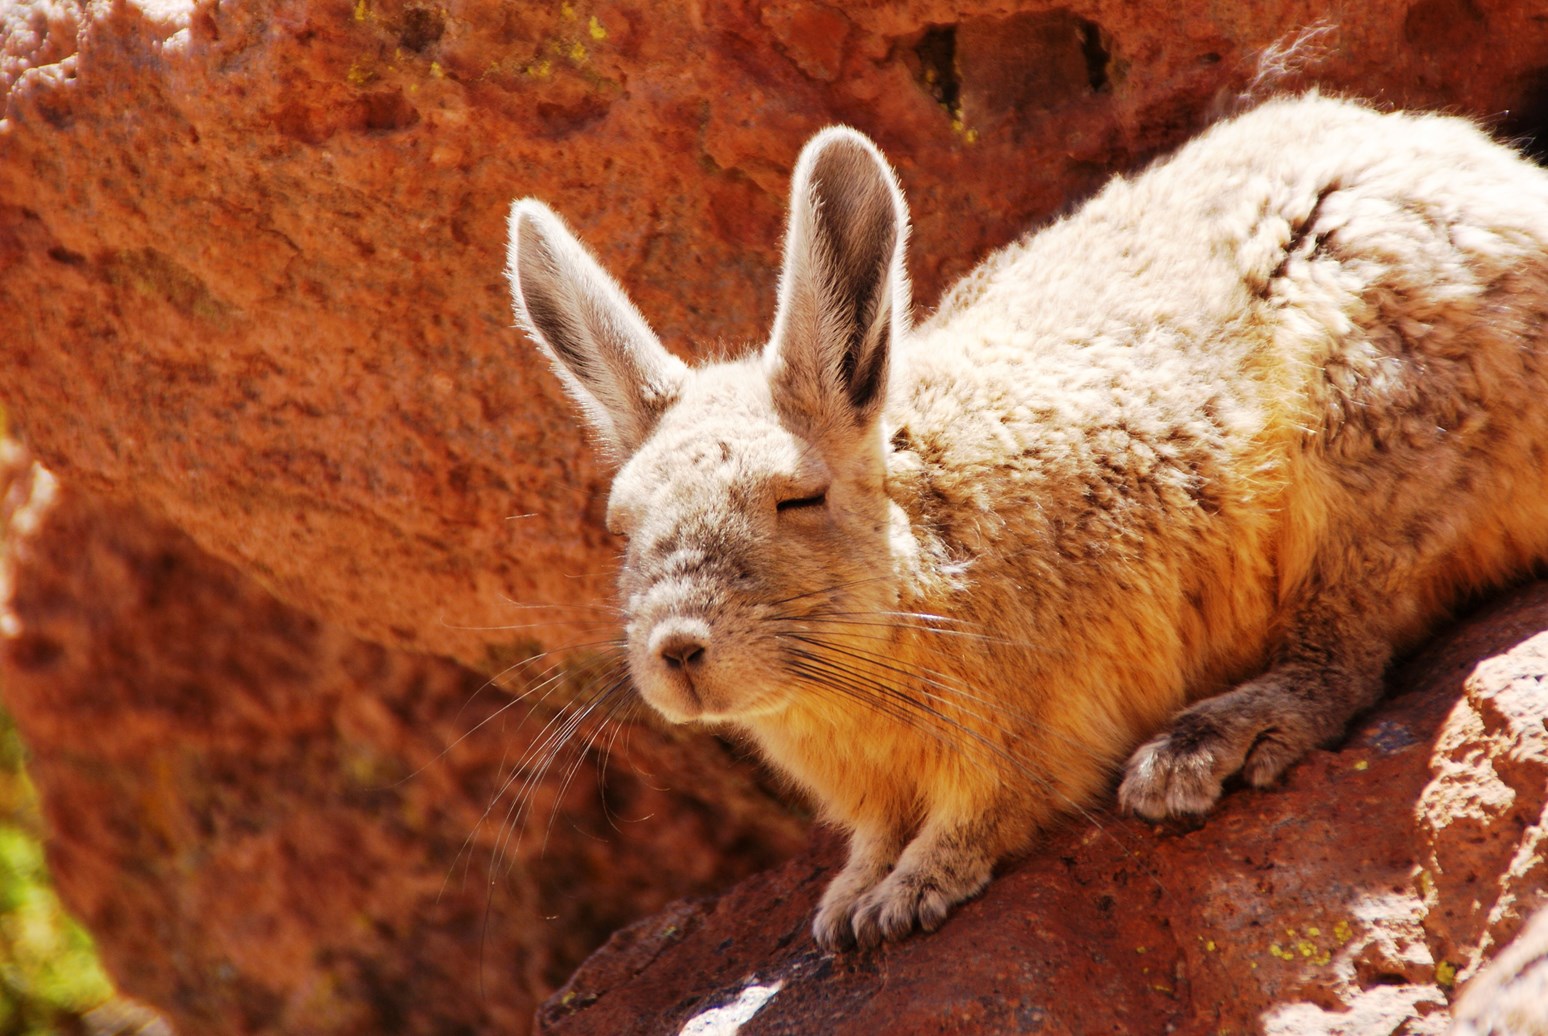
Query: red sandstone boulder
{"points": [[253, 252], [1356, 899]]}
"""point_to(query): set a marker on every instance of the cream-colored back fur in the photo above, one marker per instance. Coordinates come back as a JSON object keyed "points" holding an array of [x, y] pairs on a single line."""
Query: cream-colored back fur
{"points": [[1232, 434]]}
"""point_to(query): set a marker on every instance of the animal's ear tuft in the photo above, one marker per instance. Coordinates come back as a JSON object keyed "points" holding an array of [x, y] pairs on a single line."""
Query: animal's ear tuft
{"points": [[607, 356], [843, 297]]}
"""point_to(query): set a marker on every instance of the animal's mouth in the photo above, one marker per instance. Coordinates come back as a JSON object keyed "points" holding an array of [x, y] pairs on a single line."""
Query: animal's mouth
{"points": [[691, 693], [677, 700], [685, 700], [706, 694]]}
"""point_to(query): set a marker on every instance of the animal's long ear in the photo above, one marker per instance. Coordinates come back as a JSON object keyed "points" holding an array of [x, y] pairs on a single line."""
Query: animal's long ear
{"points": [[602, 349], [843, 295]]}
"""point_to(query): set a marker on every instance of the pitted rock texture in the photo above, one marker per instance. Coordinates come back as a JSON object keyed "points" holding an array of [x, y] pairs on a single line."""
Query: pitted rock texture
{"points": [[274, 827], [253, 252], [1356, 899], [1510, 996]]}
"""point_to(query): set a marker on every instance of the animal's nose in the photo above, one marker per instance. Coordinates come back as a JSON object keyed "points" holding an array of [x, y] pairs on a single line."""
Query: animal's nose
{"points": [[681, 642], [681, 651]]}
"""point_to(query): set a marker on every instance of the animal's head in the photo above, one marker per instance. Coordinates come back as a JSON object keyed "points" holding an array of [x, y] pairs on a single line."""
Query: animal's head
{"points": [[751, 491]]}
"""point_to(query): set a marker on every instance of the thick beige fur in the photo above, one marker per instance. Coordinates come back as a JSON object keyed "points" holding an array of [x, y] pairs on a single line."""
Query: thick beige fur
{"points": [[1233, 434]]}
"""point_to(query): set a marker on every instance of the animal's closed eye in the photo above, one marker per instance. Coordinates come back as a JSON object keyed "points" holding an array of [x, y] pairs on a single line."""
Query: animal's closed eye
{"points": [[802, 503]]}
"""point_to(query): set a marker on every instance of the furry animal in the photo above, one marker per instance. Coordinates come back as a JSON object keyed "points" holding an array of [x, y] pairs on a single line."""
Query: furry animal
{"points": [[1189, 465]]}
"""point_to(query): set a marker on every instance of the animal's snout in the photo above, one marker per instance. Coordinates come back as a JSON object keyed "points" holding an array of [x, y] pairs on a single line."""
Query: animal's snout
{"points": [[681, 643]]}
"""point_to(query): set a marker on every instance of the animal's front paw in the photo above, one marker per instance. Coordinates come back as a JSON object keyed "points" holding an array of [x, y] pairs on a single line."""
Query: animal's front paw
{"points": [[910, 898], [833, 927], [882, 895], [1181, 771], [896, 907]]}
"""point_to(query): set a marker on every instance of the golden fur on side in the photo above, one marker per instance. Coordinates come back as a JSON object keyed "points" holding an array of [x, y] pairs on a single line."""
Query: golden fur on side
{"points": [[1232, 434]]}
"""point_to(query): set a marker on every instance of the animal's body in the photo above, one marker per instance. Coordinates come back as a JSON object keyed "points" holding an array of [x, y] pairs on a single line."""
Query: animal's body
{"points": [[1189, 465]]}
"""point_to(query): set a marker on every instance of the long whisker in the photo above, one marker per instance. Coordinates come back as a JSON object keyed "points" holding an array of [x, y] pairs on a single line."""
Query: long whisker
{"points": [[611, 705], [551, 678], [546, 746], [546, 683], [924, 676], [547, 687], [598, 606], [557, 729], [908, 708], [860, 675], [541, 754], [923, 623], [829, 589], [615, 716], [588, 623]]}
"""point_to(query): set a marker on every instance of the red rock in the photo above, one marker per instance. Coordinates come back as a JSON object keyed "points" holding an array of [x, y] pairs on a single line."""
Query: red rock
{"points": [[1510, 997], [252, 252], [1328, 905]]}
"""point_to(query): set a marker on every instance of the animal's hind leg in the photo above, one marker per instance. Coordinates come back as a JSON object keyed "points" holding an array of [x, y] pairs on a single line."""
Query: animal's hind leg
{"points": [[1329, 668]]}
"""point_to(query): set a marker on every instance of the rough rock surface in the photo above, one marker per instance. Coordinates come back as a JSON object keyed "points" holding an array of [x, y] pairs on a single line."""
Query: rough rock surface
{"points": [[275, 827], [1354, 899], [1510, 996], [250, 285], [253, 252]]}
